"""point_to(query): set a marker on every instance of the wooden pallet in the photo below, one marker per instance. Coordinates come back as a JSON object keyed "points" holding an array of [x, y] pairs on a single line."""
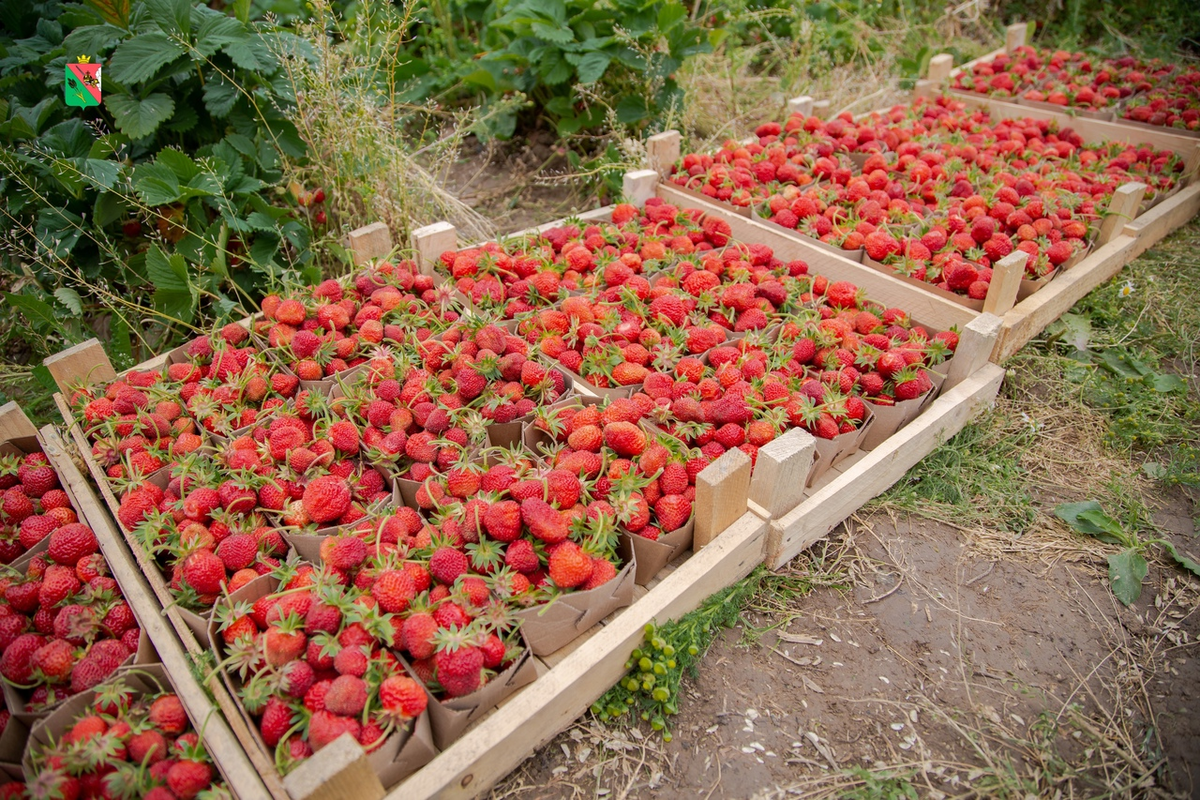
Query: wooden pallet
{"points": [[219, 740]]}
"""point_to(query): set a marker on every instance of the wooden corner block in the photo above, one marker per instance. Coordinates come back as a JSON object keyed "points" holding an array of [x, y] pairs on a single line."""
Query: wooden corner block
{"points": [[975, 345], [83, 363], [370, 241], [1006, 282], [1123, 207], [662, 151], [924, 88], [780, 472], [801, 105], [14, 424], [821, 108], [638, 186], [940, 67], [722, 491], [339, 771], [430, 242], [1014, 36]]}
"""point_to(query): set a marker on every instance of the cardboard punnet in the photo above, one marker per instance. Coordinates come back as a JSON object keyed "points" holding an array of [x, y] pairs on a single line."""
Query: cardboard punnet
{"points": [[550, 626], [831, 452], [450, 718], [651, 556], [889, 419], [402, 752]]}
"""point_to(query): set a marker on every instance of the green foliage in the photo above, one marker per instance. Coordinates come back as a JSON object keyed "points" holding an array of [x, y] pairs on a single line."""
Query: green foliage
{"points": [[577, 63], [879, 786], [650, 690], [150, 205], [1159, 27], [1127, 568]]}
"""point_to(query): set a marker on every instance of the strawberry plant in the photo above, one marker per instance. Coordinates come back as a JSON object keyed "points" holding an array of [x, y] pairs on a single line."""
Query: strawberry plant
{"points": [[128, 744]]}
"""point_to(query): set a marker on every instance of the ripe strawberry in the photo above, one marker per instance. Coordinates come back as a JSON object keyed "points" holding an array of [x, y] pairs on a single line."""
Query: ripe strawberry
{"points": [[625, 438], [204, 571], [326, 498], [543, 520], [401, 697], [167, 714], [673, 511], [347, 695], [569, 565], [324, 727], [458, 664], [187, 778], [394, 590]]}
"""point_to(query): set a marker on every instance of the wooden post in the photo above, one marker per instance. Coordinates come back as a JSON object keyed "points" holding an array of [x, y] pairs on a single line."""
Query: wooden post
{"points": [[83, 363], [722, 490], [638, 186], [1014, 36], [14, 424], [802, 105], [975, 345], [924, 88], [1006, 282], [781, 469], [430, 242], [369, 242], [1191, 164], [820, 108], [219, 740], [940, 67], [340, 772], [1122, 208], [662, 151]]}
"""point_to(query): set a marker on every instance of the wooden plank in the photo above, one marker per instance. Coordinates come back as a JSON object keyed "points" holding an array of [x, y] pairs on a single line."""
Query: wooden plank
{"points": [[1122, 209], [975, 345], [781, 469], [242, 775], [721, 492], [821, 108], [1165, 217], [369, 242], [877, 470], [1006, 283], [940, 67], [662, 151], [985, 57], [340, 772], [491, 750], [923, 305], [14, 424], [83, 363], [638, 186], [802, 105], [1014, 36], [430, 242]]}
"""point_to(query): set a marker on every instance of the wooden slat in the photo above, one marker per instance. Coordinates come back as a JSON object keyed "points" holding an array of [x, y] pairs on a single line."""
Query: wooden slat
{"points": [[721, 492], [975, 345], [638, 186], [877, 470], [219, 740], [14, 424], [430, 242], [662, 151], [1122, 209], [1165, 217], [339, 772], [487, 753], [921, 304], [1014, 36], [780, 472], [1006, 283], [369, 242], [83, 363], [940, 67], [802, 105]]}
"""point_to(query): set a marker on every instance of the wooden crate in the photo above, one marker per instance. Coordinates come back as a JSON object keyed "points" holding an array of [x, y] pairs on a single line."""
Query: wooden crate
{"points": [[222, 745]]}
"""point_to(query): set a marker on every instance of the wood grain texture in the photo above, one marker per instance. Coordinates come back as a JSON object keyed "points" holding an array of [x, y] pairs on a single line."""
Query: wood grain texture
{"points": [[488, 752], [1122, 209], [84, 363], [1014, 36], [721, 492], [940, 67], [14, 424], [1006, 283], [219, 739], [430, 241], [662, 151], [822, 510], [638, 186], [340, 771], [369, 242], [800, 105], [975, 345], [781, 470]]}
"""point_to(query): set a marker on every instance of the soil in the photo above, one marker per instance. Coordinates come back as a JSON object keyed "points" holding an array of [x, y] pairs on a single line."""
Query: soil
{"points": [[936, 659]]}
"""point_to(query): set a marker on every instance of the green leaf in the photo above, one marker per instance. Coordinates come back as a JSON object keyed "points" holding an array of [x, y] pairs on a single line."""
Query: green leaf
{"points": [[632, 108], [251, 54], [1123, 365], [69, 298], [219, 96], [38, 312], [101, 173], [43, 376], [173, 16], [481, 78], [114, 12], [137, 59], [1126, 571], [156, 184], [108, 209], [178, 162], [214, 30], [592, 66], [139, 118], [173, 295], [552, 33], [1180, 559], [91, 40], [1090, 518], [1166, 382], [670, 15]]}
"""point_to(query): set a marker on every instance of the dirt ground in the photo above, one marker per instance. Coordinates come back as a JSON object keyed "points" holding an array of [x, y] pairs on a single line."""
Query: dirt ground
{"points": [[1002, 677]]}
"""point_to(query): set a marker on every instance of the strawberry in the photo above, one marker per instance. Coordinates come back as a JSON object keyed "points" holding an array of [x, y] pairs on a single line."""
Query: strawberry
{"points": [[326, 498]]}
